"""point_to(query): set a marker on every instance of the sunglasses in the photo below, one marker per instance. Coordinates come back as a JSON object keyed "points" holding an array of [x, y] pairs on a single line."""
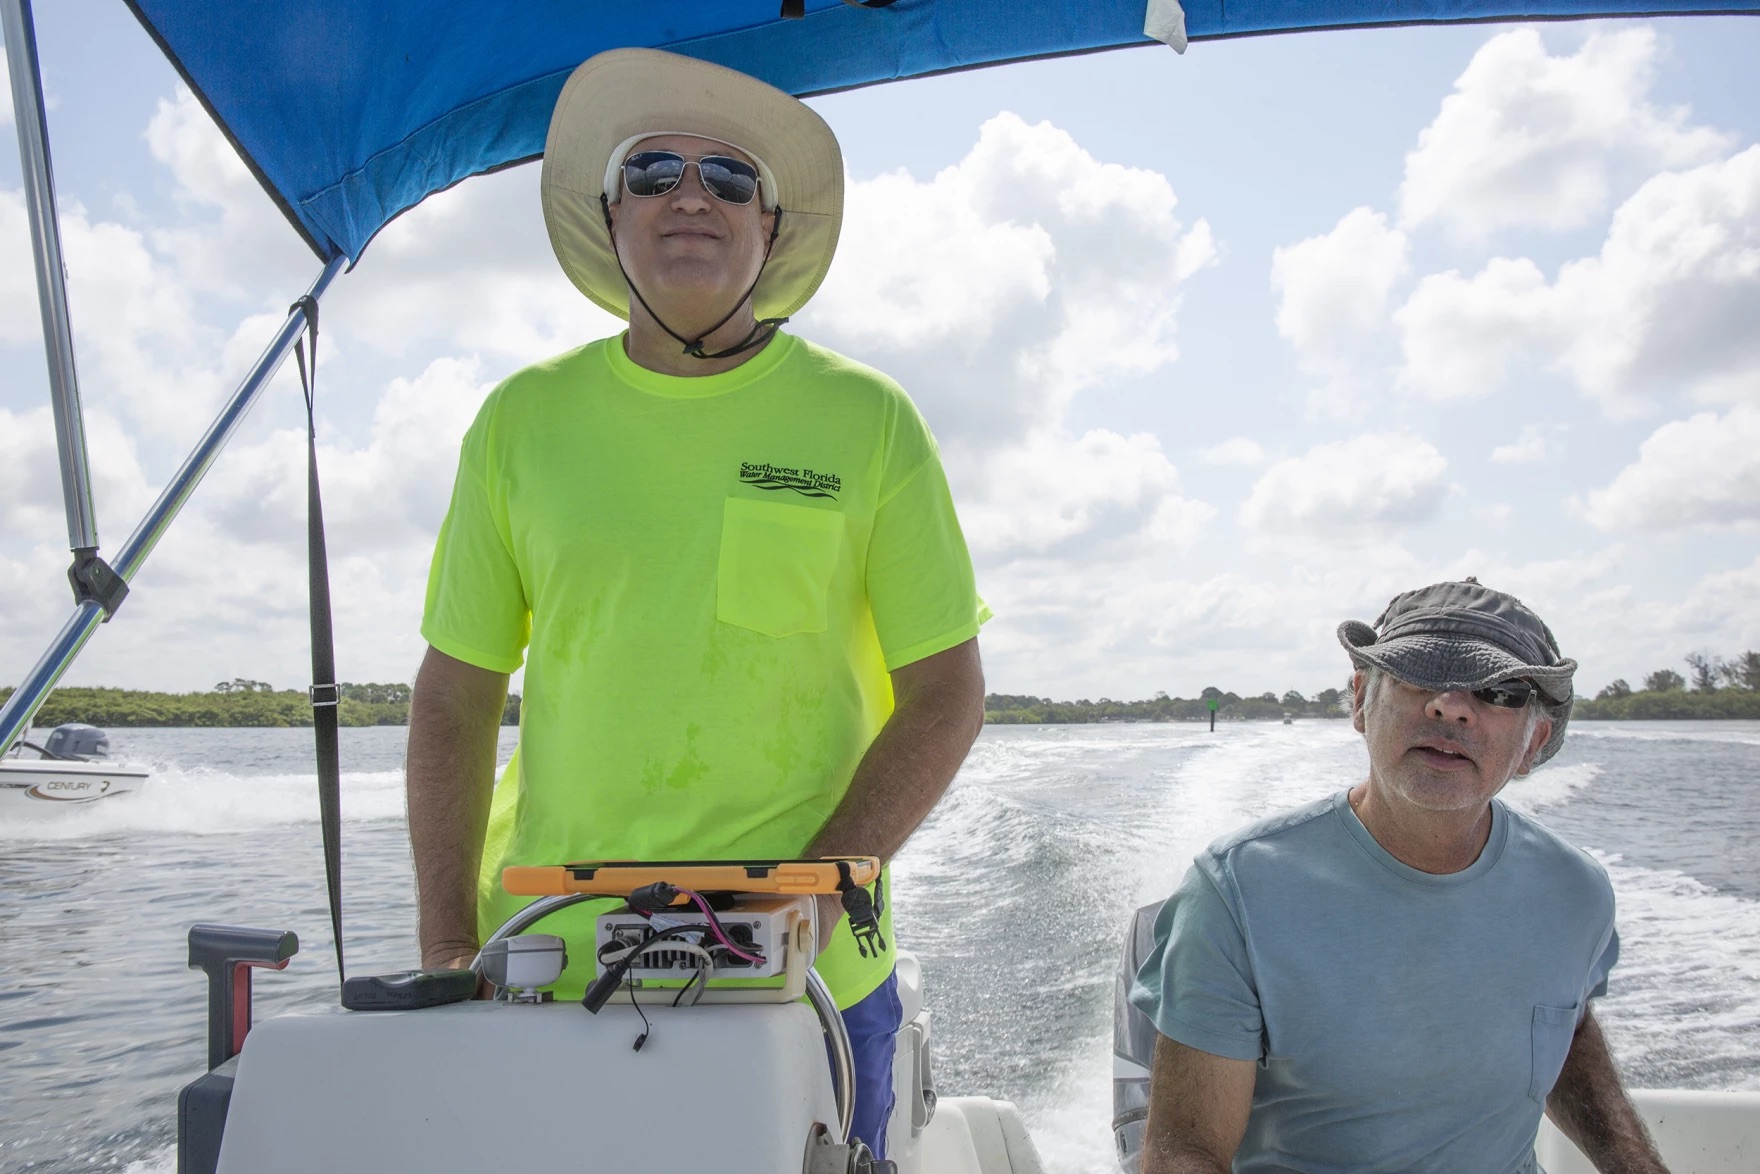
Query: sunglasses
{"points": [[1507, 694], [654, 173]]}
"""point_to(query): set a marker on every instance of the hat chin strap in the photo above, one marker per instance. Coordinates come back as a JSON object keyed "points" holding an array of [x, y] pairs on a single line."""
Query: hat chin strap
{"points": [[761, 332]]}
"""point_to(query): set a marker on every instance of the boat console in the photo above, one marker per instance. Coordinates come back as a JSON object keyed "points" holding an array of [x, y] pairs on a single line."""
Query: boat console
{"points": [[703, 1043]]}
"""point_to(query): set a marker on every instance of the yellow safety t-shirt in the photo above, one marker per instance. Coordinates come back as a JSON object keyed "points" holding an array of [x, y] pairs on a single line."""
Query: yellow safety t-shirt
{"points": [[709, 578]]}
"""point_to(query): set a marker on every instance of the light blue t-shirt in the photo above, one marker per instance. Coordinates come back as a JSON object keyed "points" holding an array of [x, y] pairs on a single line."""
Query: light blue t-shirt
{"points": [[1402, 1021]]}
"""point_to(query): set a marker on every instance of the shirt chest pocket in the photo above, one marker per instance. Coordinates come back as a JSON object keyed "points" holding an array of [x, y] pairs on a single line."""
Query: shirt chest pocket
{"points": [[1555, 1028], [776, 566]]}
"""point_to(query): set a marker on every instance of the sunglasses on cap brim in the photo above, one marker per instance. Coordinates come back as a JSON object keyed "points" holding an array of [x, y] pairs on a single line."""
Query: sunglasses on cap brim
{"points": [[654, 173]]}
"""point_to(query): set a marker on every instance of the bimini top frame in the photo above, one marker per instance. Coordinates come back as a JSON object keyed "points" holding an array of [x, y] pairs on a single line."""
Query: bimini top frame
{"points": [[98, 586], [351, 113]]}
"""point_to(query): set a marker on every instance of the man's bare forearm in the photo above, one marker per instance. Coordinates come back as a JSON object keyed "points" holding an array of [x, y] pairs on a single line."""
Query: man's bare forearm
{"points": [[1183, 1159], [1198, 1109], [938, 711], [1590, 1106], [454, 721]]}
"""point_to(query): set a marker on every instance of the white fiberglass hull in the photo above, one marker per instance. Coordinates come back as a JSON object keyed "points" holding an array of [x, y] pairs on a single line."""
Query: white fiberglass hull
{"points": [[1698, 1132], [41, 784]]}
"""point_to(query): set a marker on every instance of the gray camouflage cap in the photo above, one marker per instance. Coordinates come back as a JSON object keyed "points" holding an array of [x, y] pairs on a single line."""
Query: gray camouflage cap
{"points": [[1466, 636]]}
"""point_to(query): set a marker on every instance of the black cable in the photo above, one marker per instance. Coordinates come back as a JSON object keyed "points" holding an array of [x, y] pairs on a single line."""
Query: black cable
{"points": [[675, 931], [755, 956], [702, 974], [600, 989], [637, 1004]]}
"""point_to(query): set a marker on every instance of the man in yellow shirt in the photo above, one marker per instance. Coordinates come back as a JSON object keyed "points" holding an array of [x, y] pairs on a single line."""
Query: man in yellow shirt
{"points": [[727, 558]]}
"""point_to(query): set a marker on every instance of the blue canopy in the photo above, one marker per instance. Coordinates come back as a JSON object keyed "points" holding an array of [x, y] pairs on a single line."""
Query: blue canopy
{"points": [[351, 111]]}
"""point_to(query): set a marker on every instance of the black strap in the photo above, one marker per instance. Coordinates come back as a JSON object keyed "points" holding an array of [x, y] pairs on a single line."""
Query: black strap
{"points": [[863, 911], [326, 696]]}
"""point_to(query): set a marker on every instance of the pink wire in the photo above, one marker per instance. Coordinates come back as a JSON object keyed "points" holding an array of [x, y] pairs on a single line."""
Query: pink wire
{"points": [[715, 927]]}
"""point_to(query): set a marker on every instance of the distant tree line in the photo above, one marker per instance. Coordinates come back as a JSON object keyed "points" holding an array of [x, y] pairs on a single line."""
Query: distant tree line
{"points": [[238, 702], [1713, 688], [1015, 709]]}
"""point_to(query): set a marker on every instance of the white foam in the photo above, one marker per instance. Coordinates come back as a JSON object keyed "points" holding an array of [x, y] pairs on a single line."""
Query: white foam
{"points": [[205, 802], [1739, 733], [1236, 776], [160, 1163], [1253, 772], [1685, 996], [1071, 1120], [1549, 786]]}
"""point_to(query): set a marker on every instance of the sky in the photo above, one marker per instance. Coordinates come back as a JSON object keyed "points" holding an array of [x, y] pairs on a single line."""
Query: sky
{"points": [[1220, 349]]}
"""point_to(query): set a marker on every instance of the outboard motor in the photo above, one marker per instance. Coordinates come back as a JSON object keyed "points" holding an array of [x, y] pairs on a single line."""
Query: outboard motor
{"points": [[1133, 1045], [77, 741]]}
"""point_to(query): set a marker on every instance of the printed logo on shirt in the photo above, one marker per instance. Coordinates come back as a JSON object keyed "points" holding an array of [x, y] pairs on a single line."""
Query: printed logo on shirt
{"points": [[806, 482]]}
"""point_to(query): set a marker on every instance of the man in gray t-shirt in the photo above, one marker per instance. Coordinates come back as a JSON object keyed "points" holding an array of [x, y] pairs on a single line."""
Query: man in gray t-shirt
{"points": [[1397, 977]]}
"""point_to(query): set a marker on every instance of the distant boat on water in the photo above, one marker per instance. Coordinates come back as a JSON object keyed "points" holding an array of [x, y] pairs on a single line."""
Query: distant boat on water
{"points": [[70, 766]]}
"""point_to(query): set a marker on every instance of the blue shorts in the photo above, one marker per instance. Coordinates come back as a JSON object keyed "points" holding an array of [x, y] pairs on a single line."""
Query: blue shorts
{"points": [[874, 1025]]}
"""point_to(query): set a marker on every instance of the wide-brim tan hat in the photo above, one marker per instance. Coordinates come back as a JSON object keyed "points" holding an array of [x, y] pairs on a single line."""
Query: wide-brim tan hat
{"points": [[625, 93]]}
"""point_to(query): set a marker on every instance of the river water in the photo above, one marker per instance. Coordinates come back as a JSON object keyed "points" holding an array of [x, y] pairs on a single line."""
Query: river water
{"points": [[1013, 894]]}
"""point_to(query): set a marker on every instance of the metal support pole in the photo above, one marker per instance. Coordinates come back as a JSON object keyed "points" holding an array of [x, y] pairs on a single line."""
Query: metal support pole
{"points": [[40, 208], [16, 714]]}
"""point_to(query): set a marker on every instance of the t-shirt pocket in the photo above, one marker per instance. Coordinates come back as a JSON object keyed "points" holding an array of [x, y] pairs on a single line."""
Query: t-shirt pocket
{"points": [[1554, 1029], [776, 566]]}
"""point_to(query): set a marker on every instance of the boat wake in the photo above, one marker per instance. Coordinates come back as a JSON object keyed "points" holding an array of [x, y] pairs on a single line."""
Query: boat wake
{"points": [[207, 802]]}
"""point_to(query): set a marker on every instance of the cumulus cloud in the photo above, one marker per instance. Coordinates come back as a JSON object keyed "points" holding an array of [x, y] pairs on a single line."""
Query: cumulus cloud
{"points": [[1179, 623], [1530, 445], [30, 476], [1055, 490], [1704, 470], [34, 556], [234, 241], [19, 321], [996, 292], [1333, 290], [387, 491], [1460, 335], [1240, 452], [29, 480], [384, 496], [1670, 302], [1666, 307], [154, 311], [1550, 586], [1006, 284], [1615, 630], [1365, 486], [1527, 139], [438, 277]]}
